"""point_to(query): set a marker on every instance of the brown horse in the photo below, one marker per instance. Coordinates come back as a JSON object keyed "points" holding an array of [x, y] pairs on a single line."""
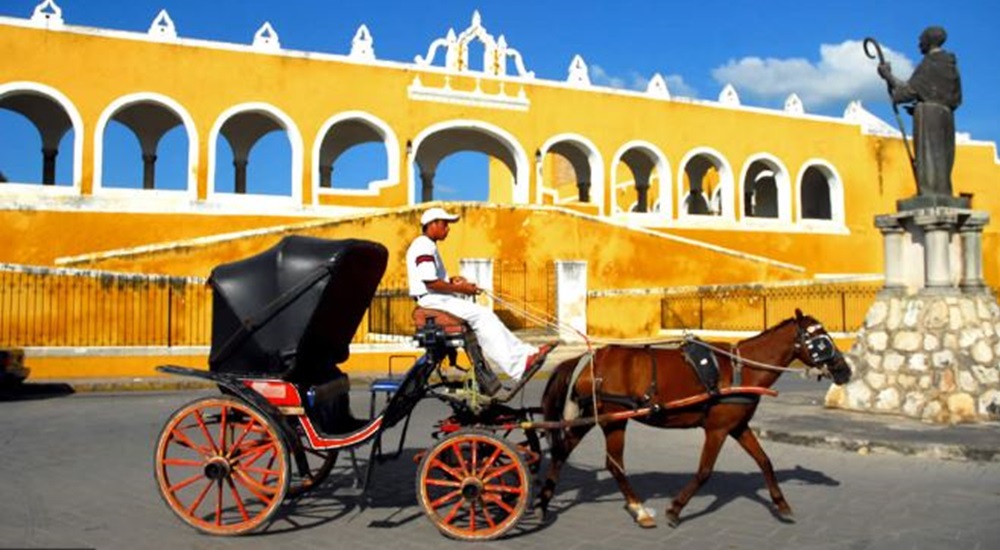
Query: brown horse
{"points": [[668, 392]]}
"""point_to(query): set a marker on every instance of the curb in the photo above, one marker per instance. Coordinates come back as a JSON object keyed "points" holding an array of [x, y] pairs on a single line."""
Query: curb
{"points": [[940, 451]]}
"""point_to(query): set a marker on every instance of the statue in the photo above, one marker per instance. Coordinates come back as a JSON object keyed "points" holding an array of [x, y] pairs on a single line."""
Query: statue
{"points": [[934, 91]]}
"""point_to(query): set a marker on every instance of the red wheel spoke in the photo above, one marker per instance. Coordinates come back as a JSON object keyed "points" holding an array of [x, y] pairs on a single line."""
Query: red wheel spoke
{"points": [[489, 462], [239, 440], [475, 457], [183, 462], [472, 516], [446, 498], [183, 439], [222, 429], [258, 490], [454, 511], [204, 430], [489, 518], [442, 483], [253, 456], [494, 499], [500, 471], [218, 504], [201, 496], [504, 489], [239, 501], [451, 471], [456, 448], [185, 483]]}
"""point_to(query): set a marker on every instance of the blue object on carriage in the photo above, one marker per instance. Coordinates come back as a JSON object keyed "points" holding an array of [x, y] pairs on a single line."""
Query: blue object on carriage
{"points": [[292, 310], [389, 385]]}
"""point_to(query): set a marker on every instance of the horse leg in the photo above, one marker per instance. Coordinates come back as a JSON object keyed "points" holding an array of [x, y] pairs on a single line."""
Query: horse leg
{"points": [[746, 438], [561, 447], [709, 453], [614, 444]]}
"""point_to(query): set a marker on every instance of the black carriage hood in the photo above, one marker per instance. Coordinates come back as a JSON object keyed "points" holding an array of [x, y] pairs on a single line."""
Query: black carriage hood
{"points": [[304, 297]]}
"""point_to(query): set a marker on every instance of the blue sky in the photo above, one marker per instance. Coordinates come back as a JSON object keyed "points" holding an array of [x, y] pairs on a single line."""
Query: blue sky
{"points": [[767, 50]]}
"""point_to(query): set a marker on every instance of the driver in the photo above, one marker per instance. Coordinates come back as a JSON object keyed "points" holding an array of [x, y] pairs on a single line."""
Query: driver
{"points": [[431, 287]]}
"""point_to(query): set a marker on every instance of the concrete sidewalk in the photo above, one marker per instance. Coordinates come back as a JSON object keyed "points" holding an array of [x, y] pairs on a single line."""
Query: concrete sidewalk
{"points": [[796, 416]]}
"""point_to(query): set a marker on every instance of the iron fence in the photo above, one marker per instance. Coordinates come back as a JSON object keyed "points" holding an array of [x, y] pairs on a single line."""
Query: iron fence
{"points": [[53, 307], [529, 293], [841, 307]]}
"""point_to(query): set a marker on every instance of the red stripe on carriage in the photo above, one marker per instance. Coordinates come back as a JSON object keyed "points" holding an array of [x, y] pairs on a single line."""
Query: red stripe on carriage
{"points": [[424, 258], [319, 442], [277, 392]]}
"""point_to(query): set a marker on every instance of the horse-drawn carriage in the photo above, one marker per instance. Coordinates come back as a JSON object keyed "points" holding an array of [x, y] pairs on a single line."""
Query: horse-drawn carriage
{"points": [[283, 320], [281, 323]]}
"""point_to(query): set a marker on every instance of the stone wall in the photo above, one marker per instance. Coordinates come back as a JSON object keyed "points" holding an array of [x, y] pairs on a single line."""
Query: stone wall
{"points": [[926, 356]]}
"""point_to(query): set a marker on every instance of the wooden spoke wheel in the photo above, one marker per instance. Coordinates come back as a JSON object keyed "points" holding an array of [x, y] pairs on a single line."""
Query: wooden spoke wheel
{"points": [[473, 486], [320, 465], [221, 466]]}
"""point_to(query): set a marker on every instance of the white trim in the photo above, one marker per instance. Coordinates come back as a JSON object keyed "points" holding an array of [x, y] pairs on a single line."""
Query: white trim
{"points": [[252, 201], [784, 188], [192, 136], [521, 179], [78, 134], [594, 159], [389, 141], [664, 183], [836, 222], [726, 189]]}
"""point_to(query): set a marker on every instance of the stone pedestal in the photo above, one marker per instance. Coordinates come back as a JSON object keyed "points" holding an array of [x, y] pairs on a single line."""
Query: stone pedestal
{"points": [[930, 344]]}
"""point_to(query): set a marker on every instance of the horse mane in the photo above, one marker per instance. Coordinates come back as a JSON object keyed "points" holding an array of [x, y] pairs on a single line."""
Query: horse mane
{"points": [[771, 329]]}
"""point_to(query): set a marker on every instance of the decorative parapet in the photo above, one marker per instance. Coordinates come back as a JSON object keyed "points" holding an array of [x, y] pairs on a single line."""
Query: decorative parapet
{"points": [[495, 51], [266, 38], [870, 124], [578, 75], [729, 97], [476, 98], [793, 105], [658, 87], [163, 27], [48, 15], [363, 46]]}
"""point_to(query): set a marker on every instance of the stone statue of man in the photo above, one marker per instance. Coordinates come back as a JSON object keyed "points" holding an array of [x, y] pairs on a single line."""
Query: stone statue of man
{"points": [[935, 90]]}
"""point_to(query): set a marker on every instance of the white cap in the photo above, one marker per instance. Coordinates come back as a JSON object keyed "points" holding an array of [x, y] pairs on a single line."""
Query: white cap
{"points": [[436, 213]]}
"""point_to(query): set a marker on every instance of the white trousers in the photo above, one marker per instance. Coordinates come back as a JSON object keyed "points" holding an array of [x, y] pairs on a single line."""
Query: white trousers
{"points": [[499, 345]]}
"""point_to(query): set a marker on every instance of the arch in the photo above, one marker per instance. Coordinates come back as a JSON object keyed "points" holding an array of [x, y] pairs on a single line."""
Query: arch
{"points": [[662, 205], [76, 123], [297, 154], [595, 164], [782, 183], [163, 101], [721, 196], [836, 193], [504, 138], [389, 140]]}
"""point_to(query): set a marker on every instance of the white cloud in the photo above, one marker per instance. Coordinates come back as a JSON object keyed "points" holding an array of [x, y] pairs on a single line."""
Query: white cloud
{"points": [[843, 73], [637, 82]]}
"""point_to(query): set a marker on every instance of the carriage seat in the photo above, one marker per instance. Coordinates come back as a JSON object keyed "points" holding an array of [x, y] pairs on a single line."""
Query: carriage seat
{"points": [[447, 321]]}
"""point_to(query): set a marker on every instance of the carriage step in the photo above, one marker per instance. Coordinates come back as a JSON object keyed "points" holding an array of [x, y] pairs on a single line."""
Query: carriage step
{"points": [[350, 492]]}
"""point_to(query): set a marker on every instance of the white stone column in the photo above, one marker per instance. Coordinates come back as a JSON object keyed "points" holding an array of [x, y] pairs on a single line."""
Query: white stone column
{"points": [[971, 232], [937, 224], [893, 257], [571, 299], [479, 271]]}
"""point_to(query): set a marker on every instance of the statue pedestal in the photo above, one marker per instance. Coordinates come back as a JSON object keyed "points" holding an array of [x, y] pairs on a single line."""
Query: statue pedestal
{"points": [[930, 344]]}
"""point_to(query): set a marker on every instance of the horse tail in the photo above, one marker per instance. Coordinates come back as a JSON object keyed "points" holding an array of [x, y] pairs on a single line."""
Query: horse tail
{"points": [[557, 393]]}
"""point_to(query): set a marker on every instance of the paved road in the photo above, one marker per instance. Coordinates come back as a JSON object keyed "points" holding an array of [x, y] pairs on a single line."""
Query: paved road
{"points": [[76, 472]]}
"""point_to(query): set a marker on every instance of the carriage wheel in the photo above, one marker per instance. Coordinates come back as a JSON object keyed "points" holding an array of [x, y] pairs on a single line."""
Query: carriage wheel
{"points": [[473, 486], [221, 466], [320, 465]]}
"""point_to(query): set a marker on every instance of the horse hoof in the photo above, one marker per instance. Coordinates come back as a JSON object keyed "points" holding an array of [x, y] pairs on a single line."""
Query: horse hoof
{"points": [[786, 516], [646, 523], [673, 519]]}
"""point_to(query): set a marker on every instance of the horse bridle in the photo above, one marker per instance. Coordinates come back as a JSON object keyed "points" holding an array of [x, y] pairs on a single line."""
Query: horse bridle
{"points": [[818, 347]]}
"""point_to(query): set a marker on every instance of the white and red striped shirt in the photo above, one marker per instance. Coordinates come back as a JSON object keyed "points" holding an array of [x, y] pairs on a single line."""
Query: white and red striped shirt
{"points": [[423, 263]]}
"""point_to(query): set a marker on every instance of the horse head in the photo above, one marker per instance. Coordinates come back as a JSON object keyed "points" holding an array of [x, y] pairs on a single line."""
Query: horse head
{"points": [[816, 349]]}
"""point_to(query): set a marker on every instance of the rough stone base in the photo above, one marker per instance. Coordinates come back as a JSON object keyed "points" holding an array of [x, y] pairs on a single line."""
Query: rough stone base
{"points": [[936, 358]]}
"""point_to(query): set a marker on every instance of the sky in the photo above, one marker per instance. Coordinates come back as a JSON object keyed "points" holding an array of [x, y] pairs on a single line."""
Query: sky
{"points": [[765, 49]]}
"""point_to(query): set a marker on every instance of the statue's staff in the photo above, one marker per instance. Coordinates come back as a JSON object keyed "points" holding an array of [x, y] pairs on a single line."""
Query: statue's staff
{"points": [[895, 109]]}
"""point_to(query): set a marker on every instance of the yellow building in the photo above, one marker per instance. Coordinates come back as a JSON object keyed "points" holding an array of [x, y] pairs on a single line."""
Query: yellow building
{"points": [[783, 194]]}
